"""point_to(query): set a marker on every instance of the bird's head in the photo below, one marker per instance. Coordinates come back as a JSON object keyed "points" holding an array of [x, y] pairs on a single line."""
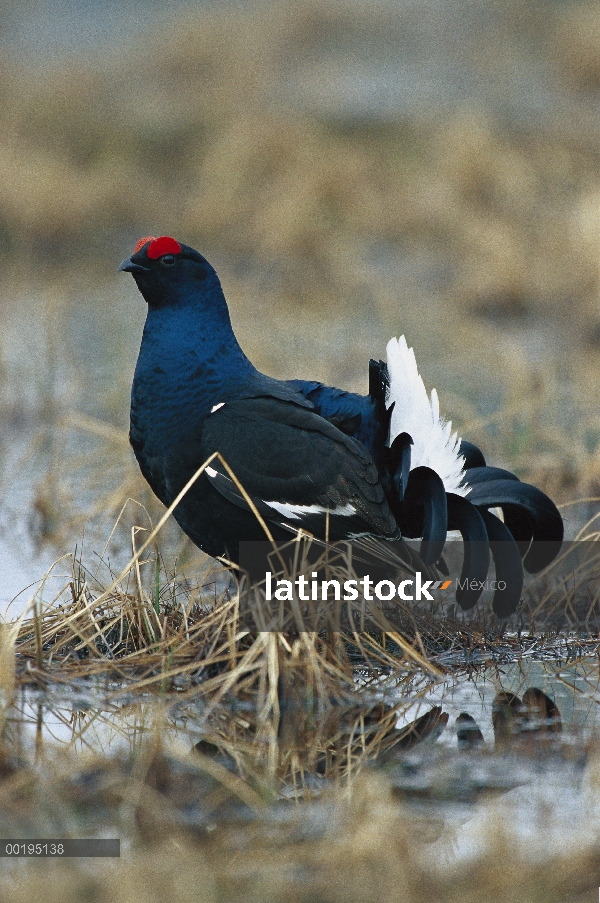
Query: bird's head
{"points": [[167, 272]]}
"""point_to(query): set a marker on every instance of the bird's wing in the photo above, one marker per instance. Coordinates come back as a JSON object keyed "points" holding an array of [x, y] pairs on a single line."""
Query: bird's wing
{"points": [[355, 415], [297, 468]]}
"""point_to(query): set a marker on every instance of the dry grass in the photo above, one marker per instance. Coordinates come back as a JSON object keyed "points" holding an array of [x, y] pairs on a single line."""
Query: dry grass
{"points": [[187, 123], [367, 849], [157, 662]]}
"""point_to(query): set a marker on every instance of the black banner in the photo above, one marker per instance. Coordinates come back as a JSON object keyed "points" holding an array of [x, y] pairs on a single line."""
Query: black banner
{"points": [[368, 584]]}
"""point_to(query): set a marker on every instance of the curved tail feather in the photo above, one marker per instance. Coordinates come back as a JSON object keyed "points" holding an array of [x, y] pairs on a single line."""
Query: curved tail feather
{"points": [[473, 456], [525, 502], [425, 501], [507, 562], [432, 496], [464, 516], [398, 463]]}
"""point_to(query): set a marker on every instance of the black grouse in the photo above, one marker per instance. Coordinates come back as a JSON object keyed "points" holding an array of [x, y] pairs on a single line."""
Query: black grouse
{"points": [[330, 462]]}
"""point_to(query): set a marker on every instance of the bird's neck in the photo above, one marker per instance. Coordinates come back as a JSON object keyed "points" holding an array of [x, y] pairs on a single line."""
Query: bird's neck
{"points": [[188, 357]]}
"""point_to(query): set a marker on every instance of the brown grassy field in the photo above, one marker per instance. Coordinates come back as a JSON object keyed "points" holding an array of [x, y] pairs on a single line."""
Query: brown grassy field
{"points": [[476, 236], [241, 766], [475, 233]]}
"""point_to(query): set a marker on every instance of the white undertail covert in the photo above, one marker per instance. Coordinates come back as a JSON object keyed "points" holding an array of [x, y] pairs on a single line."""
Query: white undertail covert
{"points": [[434, 443]]}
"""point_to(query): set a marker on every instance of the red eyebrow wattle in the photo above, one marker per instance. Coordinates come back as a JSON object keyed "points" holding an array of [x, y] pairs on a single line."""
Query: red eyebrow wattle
{"points": [[163, 245], [142, 242]]}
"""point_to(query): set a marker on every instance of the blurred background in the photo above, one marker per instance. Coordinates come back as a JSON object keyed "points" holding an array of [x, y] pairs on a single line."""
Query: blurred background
{"points": [[354, 170]]}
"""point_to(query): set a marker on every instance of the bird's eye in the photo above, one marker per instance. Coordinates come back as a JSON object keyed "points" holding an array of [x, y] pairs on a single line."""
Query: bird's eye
{"points": [[167, 260]]}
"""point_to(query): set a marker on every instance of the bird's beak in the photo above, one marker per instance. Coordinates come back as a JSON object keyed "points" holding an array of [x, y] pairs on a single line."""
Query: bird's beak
{"points": [[128, 266]]}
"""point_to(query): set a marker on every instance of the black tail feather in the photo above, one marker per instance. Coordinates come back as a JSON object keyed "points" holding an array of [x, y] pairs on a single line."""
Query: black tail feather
{"points": [[525, 501], [424, 512], [464, 516], [379, 383], [478, 475], [520, 525], [507, 561], [473, 456], [398, 463]]}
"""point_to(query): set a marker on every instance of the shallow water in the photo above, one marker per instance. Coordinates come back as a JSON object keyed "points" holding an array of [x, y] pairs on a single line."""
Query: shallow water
{"points": [[543, 790]]}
